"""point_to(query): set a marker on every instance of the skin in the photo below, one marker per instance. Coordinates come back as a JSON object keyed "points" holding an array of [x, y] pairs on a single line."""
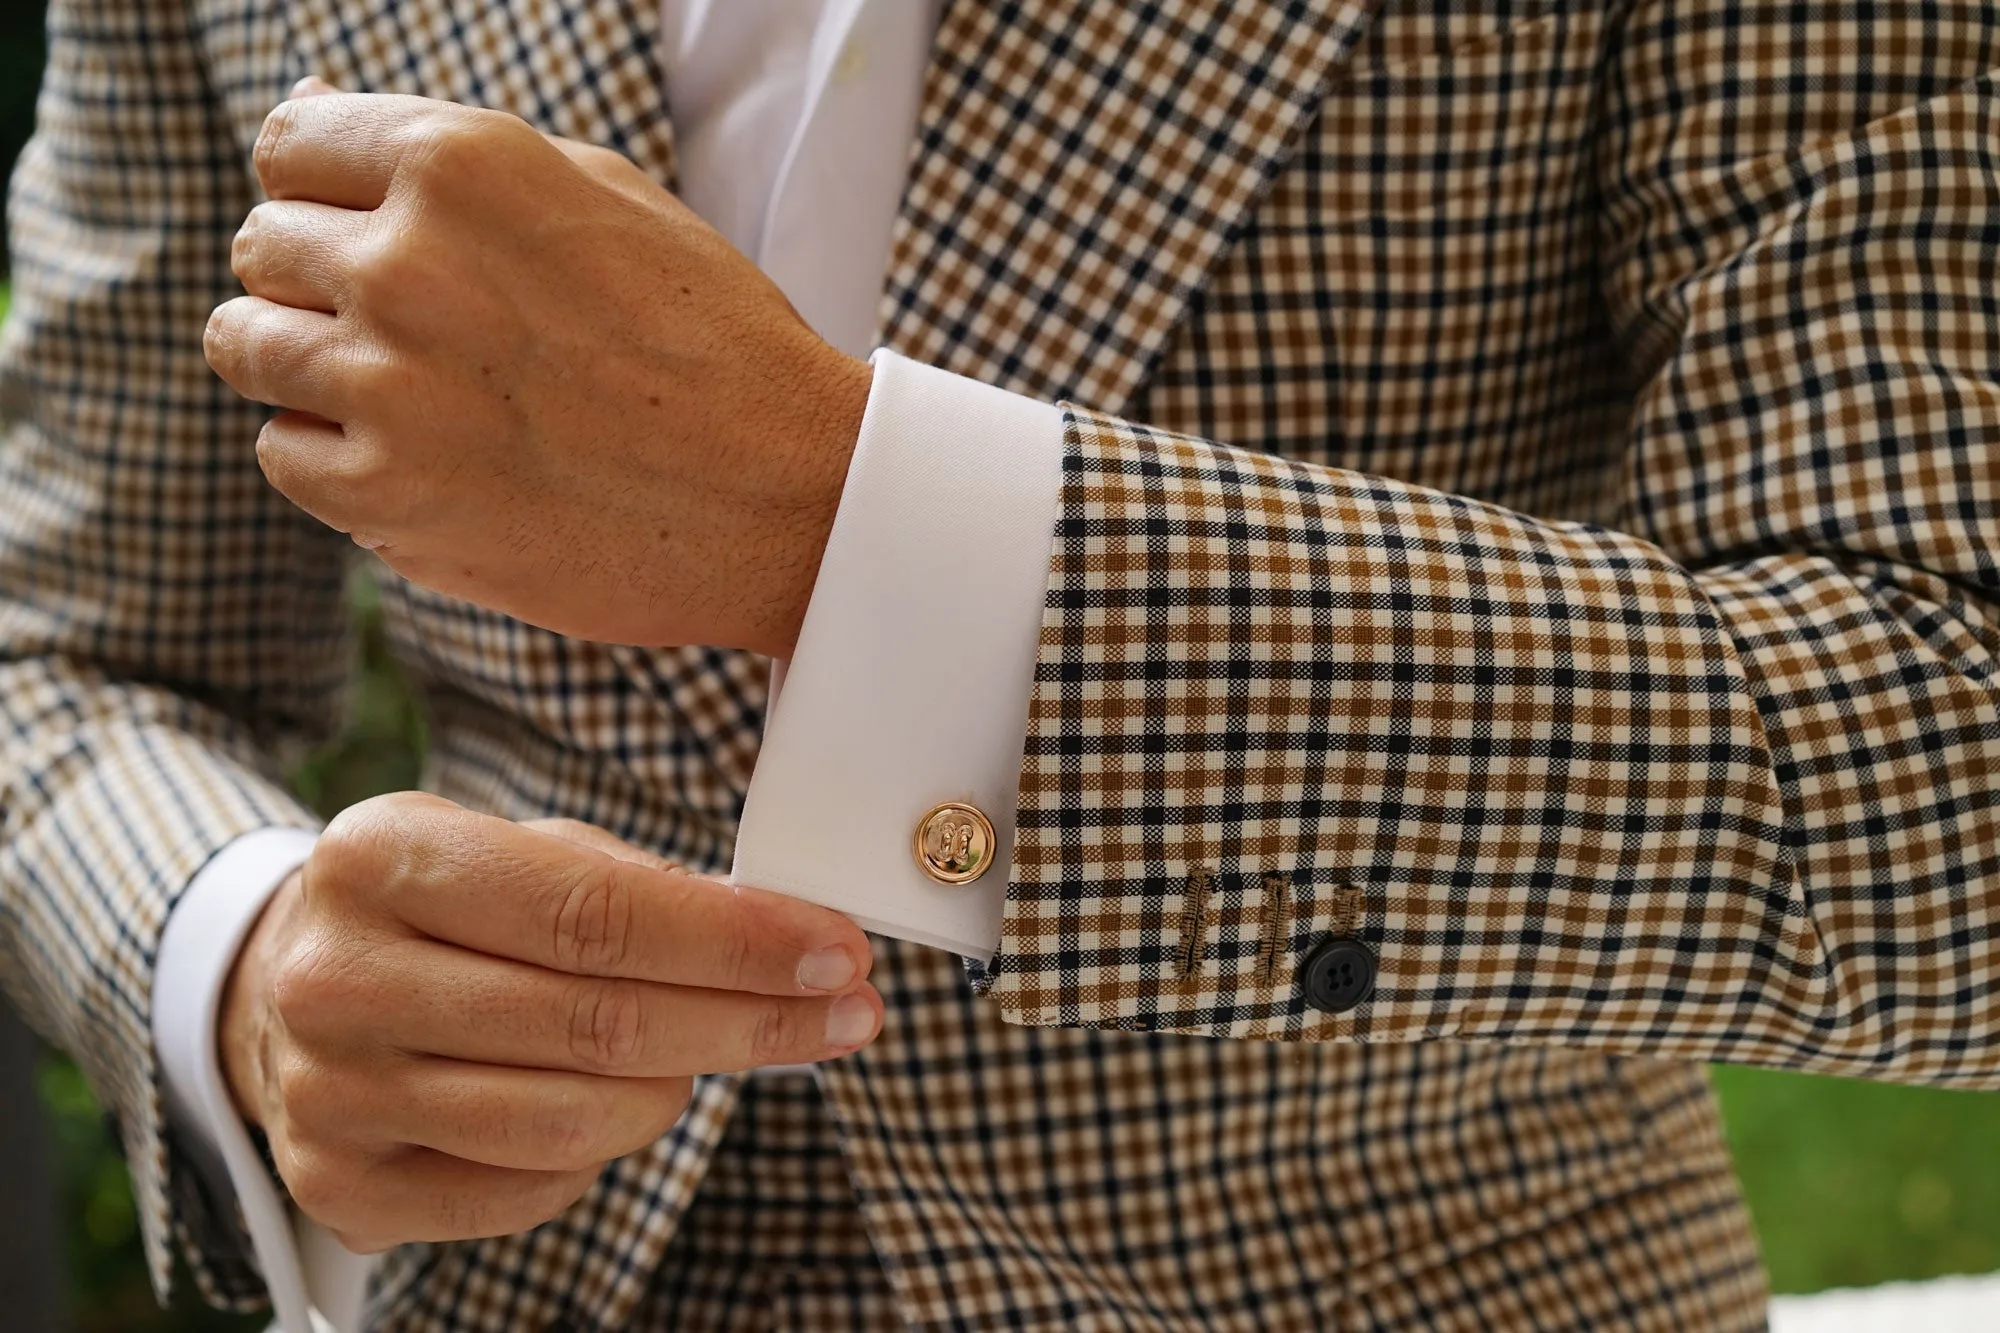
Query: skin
{"points": [[524, 375], [447, 1023], [527, 376]]}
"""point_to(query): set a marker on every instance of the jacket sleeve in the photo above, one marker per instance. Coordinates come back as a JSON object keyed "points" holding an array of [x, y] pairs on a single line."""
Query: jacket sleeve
{"points": [[1722, 783], [167, 622]]}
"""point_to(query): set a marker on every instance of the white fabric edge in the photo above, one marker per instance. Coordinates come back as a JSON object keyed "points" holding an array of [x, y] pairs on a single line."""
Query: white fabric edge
{"points": [[915, 664], [1965, 1304], [303, 1266]]}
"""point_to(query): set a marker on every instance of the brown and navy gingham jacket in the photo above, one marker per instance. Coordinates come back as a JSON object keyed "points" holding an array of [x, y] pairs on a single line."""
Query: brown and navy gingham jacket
{"points": [[1532, 504]]}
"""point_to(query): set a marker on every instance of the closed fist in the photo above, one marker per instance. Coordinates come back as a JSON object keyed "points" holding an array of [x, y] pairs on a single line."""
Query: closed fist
{"points": [[528, 376]]}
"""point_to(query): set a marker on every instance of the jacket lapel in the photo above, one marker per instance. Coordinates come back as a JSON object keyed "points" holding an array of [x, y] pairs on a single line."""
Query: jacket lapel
{"points": [[1079, 169], [585, 69]]}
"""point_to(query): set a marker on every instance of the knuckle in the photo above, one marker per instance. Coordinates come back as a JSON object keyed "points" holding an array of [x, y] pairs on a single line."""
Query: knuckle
{"points": [[735, 946], [594, 922], [374, 842], [604, 164], [280, 466], [339, 1188], [467, 1216], [607, 1026], [247, 248], [313, 982], [221, 337], [358, 847], [268, 152], [471, 1216], [324, 1105], [375, 379], [295, 994], [313, 1186], [301, 1086], [776, 1035], [385, 270], [259, 348], [566, 1131], [366, 476], [455, 144]]}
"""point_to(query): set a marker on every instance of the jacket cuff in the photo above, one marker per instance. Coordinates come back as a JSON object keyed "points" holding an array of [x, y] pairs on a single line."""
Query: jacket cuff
{"points": [[1322, 756]]}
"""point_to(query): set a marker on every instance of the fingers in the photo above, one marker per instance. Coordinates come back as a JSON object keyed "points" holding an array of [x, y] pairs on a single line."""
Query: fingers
{"points": [[295, 251], [298, 254], [527, 1119], [339, 148], [372, 1202], [315, 465], [497, 887], [276, 354], [505, 1084], [336, 148], [346, 149], [426, 998]]}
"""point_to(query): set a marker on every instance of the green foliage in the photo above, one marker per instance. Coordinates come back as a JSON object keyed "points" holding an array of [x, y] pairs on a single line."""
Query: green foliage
{"points": [[109, 1291], [21, 56], [381, 747], [1850, 1183], [1855, 1183]]}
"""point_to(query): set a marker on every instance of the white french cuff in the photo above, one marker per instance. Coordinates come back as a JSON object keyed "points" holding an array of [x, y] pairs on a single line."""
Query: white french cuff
{"points": [[315, 1283], [914, 667]]}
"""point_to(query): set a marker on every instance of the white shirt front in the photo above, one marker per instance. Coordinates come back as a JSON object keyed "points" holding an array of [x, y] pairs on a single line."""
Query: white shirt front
{"points": [[793, 122]]}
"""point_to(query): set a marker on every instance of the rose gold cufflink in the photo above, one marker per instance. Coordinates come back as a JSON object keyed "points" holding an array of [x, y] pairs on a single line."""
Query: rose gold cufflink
{"points": [[954, 843]]}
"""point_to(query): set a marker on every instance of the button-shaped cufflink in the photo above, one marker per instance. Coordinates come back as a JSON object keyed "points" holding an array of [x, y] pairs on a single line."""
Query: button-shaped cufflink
{"points": [[1338, 975], [954, 843]]}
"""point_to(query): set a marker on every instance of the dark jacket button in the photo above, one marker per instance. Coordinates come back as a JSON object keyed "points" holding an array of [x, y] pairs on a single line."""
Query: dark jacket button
{"points": [[1338, 975]]}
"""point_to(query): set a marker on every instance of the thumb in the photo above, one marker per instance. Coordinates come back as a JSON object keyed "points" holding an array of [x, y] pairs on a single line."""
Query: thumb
{"points": [[312, 85]]}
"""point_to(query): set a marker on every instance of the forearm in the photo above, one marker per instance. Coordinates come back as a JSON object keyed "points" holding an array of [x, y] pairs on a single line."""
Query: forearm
{"points": [[1714, 786], [1547, 776], [1527, 764]]}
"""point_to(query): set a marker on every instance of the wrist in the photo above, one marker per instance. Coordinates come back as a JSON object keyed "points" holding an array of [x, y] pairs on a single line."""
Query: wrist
{"points": [[832, 401]]}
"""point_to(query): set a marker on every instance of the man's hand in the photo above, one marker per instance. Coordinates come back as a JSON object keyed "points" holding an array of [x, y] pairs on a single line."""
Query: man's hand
{"points": [[446, 1023], [528, 376]]}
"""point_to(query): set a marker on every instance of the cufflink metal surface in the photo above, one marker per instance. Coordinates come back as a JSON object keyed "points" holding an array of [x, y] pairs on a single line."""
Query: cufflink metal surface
{"points": [[954, 843]]}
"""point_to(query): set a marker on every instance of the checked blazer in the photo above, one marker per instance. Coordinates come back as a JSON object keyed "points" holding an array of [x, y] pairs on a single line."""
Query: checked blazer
{"points": [[1529, 507]]}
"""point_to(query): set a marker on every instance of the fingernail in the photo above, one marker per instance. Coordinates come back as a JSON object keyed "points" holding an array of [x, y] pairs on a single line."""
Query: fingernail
{"points": [[826, 970], [850, 1020]]}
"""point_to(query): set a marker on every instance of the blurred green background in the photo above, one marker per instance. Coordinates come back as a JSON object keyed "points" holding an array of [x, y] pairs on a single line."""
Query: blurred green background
{"points": [[1850, 1183]]}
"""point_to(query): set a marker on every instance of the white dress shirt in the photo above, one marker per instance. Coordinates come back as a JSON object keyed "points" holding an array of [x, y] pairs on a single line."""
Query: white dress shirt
{"points": [[910, 682]]}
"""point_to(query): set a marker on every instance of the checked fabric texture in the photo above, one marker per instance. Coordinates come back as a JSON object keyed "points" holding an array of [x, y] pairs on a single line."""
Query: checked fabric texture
{"points": [[1530, 502]]}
